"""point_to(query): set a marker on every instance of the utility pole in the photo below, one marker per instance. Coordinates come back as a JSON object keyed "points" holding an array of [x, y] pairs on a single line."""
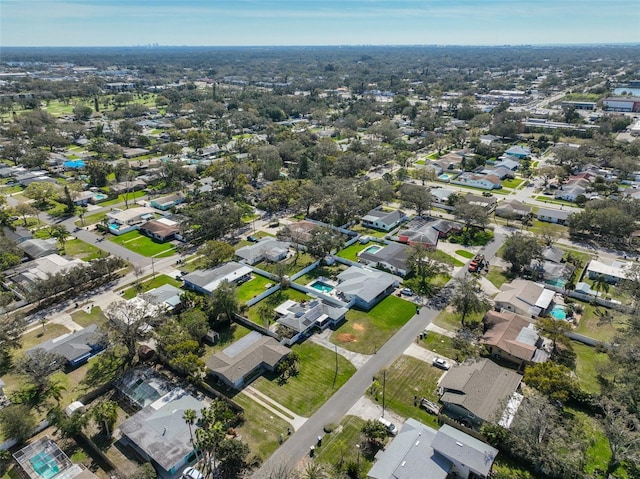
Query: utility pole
{"points": [[384, 386], [153, 268]]}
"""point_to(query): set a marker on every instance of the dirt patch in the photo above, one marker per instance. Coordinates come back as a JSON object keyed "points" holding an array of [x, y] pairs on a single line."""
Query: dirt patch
{"points": [[347, 338], [358, 327]]}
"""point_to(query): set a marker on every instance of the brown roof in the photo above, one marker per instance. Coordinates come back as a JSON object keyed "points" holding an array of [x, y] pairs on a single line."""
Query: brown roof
{"points": [[247, 354], [480, 387], [502, 331], [159, 228]]}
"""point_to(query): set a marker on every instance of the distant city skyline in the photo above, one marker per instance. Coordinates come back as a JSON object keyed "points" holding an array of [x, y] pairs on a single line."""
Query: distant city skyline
{"points": [[320, 22]]}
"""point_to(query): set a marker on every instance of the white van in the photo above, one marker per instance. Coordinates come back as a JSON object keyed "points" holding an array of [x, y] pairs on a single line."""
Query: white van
{"points": [[391, 428]]}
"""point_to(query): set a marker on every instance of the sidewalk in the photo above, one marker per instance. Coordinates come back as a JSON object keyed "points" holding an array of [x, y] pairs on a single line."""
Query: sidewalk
{"points": [[357, 359], [277, 409]]}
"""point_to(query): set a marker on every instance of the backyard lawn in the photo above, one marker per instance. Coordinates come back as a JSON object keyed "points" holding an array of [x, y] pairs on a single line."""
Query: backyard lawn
{"points": [[314, 385], [587, 360], [291, 265], [79, 249], [255, 286], [227, 336], [351, 252], [138, 243], [341, 446], [150, 284], [364, 231], [589, 320], [324, 271], [365, 332], [261, 429], [405, 378]]}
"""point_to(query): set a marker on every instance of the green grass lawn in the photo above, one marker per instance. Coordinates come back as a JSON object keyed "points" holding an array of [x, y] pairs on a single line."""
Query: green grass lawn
{"points": [[351, 252], [322, 271], [589, 326], [341, 446], [365, 332], [368, 231], [131, 197], [448, 319], [315, 383], [261, 428], [84, 319], [498, 276], [291, 264], [446, 258], [255, 286], [151, 284], [587, 361], [138, 243], [464, 253], [275, 300], [405, 378], [512, 182], [90, 219], [442, 345], [227, 336], [81, 250]]}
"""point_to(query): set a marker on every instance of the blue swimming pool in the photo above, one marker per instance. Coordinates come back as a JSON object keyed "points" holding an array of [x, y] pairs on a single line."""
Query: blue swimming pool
{"points": [[113, 226], [558, 312], [99, 197], [372, 249], [322, 286], [44, 465], [445, 176], [74, 164]]}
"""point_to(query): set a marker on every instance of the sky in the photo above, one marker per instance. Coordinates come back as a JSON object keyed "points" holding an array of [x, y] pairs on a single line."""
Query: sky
{"points": [[317, 22]]}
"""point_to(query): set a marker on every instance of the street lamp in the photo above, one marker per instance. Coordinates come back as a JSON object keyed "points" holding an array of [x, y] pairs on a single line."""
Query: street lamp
{"points": [[358, 459]]}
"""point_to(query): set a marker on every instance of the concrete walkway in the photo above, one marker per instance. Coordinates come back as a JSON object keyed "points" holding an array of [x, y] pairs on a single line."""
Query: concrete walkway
{"points": [[366, 408], [277, 409], [424, 354], [437, 329], [357, 359]]}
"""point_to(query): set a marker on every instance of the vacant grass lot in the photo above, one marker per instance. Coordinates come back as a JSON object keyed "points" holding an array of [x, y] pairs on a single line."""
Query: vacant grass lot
{"points": [[365, 332], [138, 243], [316, 382], [405, 378], [255, 286], [341, 446], [498, 276], [84, 319], [448, 319], [90, 219], [442, 345], [130, 198], [512, 182], [152, 283], [79, 249], [587, 361], [261, 429]]}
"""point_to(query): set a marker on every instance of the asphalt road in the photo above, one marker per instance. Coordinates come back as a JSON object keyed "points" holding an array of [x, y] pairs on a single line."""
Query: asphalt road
{"points": [[297, 446]]}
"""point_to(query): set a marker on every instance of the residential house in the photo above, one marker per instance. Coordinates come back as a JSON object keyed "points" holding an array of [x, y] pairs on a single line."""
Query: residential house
{"points": [[379, 219], [421, 451], [572, 189], [246, 359], [165, 203], [475, 392], [305, 316], [489, 203], [392, 257], [160, 435], [524, 297], [43, 459], [518, 151], [613, 273], [17, 235], [551, 267], [452, 160], [513, 338], [206, 281], [365, 287], [26, 276], [162, 229], [548, 215], [123, 221], [39, 248], [83, 198], [501, 172], [441, 195], [127, 187], [420, 231], [475, 180], [300, 232], [76, 347], [167, 296], [25, 179], [267, 248], [512, 209], [489, 139], [508, 163]]}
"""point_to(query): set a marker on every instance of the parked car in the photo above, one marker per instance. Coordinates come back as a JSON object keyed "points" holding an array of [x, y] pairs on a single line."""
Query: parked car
{"points": [[407, 291], [252, 239], [192, 473], [429, 406], [441, 363], [391, 428]]}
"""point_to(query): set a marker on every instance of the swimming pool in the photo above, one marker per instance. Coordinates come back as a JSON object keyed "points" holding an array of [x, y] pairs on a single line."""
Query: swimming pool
{"points": [[373, 249], [445, 176], [99, 197], [558, 312], [560, 282], [44, 465], [113, 226], [322, 286], [74, 164]]}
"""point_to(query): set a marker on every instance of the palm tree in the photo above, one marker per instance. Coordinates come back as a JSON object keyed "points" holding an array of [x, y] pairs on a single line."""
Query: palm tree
{"points": [[190, 417], [604, 316], [105, 414], [600, 285]]}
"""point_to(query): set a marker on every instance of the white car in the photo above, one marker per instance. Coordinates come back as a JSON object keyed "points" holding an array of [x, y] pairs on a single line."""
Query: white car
{"points": [[192, 473], [406, 291], [441, 363]]}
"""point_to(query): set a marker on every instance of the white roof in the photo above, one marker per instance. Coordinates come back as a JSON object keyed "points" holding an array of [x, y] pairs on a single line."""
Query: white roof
{"points": [[617, 269]]}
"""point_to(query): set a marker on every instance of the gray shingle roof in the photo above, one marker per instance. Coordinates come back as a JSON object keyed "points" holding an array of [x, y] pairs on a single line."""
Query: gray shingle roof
{"points": [[464, 449], [72, 345]]}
